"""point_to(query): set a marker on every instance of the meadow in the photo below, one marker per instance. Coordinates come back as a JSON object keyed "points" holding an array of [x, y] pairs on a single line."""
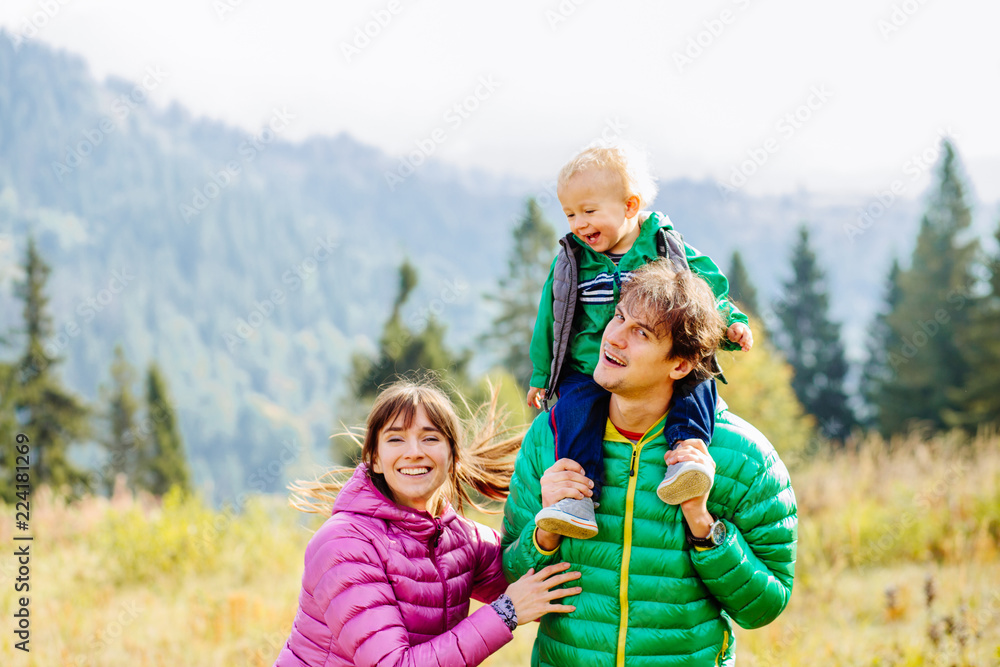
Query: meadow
{"points": [[898, 565]]}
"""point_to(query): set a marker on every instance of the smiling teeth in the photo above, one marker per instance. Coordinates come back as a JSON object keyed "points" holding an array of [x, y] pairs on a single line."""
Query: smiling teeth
{"points": [[414, 471], [613, 359]]}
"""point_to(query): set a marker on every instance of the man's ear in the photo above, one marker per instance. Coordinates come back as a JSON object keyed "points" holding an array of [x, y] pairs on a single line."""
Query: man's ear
{"points": [[681, 368]]}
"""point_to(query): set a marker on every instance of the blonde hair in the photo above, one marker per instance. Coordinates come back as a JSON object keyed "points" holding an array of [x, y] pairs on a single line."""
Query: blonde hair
{"points": [[681, 304], [484, 467], [626, 167]]}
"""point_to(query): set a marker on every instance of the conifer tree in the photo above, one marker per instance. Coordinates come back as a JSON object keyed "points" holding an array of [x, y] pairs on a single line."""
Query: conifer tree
{"points": [[121, 436], [404, 349], [51, 416], [979, 404], [929, 369], [812, 344], [165, 465], [878, 373], [8, 432], [760, 390], [741, 289], [520, 291]]}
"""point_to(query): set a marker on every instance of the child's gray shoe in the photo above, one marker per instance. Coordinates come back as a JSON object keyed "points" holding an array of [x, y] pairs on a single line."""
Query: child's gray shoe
{"points": [[684, 481], [570, 517]]}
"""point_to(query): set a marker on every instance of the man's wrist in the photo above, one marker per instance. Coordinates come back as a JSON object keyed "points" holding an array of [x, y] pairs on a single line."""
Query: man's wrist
{"points": [[699, 522]]}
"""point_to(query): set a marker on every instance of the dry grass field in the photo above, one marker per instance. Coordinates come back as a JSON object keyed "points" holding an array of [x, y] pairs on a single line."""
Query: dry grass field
{"points": [[899, 564]]}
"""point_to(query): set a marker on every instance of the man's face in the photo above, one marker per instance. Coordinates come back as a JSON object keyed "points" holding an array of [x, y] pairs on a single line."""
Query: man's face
{"points": [[635, 360]]}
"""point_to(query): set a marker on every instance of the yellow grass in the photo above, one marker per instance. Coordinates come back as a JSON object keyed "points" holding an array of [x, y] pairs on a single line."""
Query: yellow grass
{"points": [[135, 582]]}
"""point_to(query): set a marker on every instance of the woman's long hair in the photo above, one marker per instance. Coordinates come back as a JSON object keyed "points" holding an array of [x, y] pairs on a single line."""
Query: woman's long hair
{"points": [[482, 449]]}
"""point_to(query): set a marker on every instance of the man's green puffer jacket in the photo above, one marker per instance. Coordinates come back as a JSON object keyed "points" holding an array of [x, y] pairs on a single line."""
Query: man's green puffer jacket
{"points": [[649, 598]]}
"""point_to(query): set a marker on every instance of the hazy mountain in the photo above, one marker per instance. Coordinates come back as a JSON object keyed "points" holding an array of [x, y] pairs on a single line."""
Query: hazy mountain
{"points": [[251, 267]]}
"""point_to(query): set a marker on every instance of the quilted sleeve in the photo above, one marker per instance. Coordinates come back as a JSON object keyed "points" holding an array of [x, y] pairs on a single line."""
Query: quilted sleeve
{"points": [[751, 573], [488, 578], [520, 551], [540, 349], [361, 611]]}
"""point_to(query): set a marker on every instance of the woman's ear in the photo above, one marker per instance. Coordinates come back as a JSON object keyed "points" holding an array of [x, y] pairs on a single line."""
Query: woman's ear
{"points": [[377, 465]]}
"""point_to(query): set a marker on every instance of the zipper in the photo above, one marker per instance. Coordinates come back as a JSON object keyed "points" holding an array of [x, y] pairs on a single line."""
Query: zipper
{"points": [[444, 581], [725, 645], [633, 479]]}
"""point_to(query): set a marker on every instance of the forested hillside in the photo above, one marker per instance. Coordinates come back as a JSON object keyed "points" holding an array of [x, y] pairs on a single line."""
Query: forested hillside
{"points": [[251, 267]]}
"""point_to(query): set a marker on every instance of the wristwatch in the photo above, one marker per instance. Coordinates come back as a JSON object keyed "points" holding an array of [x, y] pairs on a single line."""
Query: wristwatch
{"points": [[716, 535]]}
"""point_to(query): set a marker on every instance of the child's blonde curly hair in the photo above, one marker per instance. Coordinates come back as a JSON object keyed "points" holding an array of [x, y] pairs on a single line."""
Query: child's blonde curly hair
{"points": [[625, 165]]}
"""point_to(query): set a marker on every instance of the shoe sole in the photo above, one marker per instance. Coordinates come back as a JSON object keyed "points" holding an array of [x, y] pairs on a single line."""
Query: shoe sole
{"points": [[685, 486], [559, 525]]}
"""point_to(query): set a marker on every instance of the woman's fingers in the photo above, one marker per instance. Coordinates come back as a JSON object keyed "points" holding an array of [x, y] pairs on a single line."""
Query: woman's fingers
{"points": [[549, 570], [559, 579]]}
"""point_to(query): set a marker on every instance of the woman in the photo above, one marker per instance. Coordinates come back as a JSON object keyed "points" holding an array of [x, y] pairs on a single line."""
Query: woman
{"points": [[389, 576]]}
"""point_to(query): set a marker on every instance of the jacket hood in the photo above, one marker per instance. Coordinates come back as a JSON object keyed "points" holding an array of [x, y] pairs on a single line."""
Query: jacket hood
{"points": [[360, 496]]}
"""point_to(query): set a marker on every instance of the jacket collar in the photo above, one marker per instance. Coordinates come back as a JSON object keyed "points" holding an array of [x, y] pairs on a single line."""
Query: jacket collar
{"points": [[360, 496]]}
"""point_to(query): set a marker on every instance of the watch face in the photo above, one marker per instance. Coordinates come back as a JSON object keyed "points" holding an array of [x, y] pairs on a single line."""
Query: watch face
{"points": [[718, 534]]}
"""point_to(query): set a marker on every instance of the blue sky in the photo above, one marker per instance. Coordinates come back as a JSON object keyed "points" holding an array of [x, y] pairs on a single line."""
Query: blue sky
{"points": [[830, 97]]}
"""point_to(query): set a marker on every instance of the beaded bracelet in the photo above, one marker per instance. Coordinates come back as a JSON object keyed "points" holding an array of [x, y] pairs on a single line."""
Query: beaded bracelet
{"points": [[505, 607]]}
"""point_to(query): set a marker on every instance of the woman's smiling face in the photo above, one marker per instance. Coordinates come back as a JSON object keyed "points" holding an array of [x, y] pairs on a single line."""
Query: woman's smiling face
{"points": [[414, 460]]}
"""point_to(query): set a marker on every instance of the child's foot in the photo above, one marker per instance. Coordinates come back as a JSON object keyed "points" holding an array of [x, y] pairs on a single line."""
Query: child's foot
{"points": [[684, 481], [570, 517]]}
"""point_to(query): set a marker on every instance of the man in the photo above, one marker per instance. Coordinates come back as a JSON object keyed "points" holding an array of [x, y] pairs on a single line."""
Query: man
{"points": [[661, 583]]}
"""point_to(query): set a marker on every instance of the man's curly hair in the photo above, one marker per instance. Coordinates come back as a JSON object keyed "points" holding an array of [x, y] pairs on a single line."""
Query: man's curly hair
{"points": [[679, 304]]}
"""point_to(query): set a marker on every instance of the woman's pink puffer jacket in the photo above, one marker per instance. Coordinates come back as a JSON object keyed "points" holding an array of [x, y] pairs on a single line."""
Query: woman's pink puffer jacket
{"points": [[385, 584]]}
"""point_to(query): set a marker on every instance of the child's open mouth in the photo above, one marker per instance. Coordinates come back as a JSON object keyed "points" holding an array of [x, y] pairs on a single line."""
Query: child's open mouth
{"points": [[592, 238]]}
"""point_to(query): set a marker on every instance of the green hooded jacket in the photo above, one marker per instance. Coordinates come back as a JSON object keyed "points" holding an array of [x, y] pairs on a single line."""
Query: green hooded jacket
{"points": [[648, 597], [599, 286]]}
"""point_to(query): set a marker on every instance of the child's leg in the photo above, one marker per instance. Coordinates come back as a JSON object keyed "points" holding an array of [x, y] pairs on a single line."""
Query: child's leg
{"points": [[692, 415], [578, 420], [692, 412]]}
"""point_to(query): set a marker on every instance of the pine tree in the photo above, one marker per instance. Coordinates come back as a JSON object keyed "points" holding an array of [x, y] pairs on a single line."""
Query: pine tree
{"points": [[878, 372], [981, 351], [166, 466], [812, 344], [52, 417], [520, 290], [403, 349], [760, 390], [8, 432], [929, 369], [121, 436], [741, 289]]}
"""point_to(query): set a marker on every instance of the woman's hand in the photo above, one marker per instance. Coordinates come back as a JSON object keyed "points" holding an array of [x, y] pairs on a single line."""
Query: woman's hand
{"points": [[533, 593]]}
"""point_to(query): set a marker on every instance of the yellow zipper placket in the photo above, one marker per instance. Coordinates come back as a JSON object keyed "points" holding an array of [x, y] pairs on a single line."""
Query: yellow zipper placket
{"points": [[633, 479]]}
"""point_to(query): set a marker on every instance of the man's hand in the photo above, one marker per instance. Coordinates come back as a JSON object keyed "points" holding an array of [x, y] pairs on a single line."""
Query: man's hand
{"points": [[565, 479], [535, 397], [740, 333], [696, 509]]}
